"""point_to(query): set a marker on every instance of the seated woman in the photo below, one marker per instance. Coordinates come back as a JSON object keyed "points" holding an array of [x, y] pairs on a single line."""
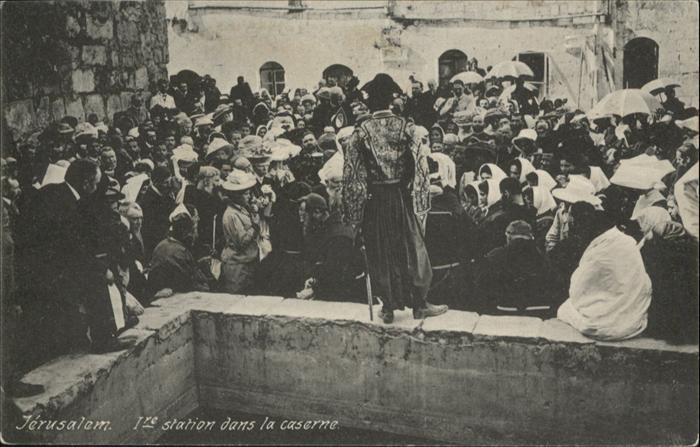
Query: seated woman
{"points": [[543, 202], [610, 290], [491, 171], [519, 168], [469, 199], [673, 312]]}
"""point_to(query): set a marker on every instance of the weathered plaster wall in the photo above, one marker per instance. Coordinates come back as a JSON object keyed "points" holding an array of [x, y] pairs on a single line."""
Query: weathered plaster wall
{"points": [[458, 377], [227, 45], [306, 43], [78, 57], [409, 37], [674, 27]]}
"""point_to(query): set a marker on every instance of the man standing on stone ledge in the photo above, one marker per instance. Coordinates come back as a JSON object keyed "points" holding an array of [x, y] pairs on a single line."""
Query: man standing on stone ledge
{"points": [[385, 186]]}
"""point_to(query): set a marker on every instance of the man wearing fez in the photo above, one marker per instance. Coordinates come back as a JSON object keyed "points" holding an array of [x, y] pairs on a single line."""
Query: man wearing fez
{"points": [[385, 187]]}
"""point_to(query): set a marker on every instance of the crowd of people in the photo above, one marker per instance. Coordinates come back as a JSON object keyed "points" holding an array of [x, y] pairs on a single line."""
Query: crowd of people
{"points": [[247, 193]]}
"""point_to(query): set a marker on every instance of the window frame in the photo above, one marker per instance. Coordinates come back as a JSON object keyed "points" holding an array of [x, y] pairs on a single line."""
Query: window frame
{"points": [[274, 71], [543, 92]]}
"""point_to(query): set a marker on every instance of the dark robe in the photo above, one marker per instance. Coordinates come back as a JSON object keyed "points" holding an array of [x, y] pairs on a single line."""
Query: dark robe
{"points": [[156, 219], [672, 266], [209, 208], [332, 260], [244, 93], [420, 108], [515, 277], [54, 262], [385, 188], [321, 118], [499, 216], [173, 267], [447, 239], [674, 105]]}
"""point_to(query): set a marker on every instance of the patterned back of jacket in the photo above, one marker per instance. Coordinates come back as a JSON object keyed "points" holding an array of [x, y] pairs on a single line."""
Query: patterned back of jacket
{"points": [[388, 147], [384, 148]]}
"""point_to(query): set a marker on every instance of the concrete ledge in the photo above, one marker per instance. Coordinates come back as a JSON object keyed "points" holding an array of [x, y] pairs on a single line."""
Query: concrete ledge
{"points": [[458, 377]]}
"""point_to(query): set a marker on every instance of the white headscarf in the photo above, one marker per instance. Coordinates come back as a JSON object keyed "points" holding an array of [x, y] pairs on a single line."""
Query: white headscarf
{"points": [[422, 134], [653, 220], [343, 134], [332, 168], [133, 186], [545, 179], [497, 173], [542, 200], [599, 179], [646, 200], [525, 168], [494, 193], [446, 169]]}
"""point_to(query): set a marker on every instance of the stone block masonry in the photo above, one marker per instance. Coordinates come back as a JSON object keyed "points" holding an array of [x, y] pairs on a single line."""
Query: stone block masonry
{"points": [[71, 57], [459, 377]]}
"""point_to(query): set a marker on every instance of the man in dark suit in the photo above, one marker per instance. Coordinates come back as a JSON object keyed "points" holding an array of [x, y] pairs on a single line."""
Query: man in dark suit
{"points": [[420, 106], [243, 92], [156, 204], [57, 267]]}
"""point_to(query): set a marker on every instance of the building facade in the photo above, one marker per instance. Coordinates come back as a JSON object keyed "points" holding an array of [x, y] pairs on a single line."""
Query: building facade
{"points": [[580, 49]]}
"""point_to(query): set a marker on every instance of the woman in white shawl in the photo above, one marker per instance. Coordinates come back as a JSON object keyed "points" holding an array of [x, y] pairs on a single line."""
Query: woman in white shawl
{"points": [[489, 193], [446, 169], [610, 291], [491, 171], [542, 200], [597, 178], [519, 168]]}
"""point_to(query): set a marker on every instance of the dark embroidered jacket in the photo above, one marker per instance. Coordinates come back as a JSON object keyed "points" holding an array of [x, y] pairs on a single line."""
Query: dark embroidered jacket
{"points": [[377, 152]]}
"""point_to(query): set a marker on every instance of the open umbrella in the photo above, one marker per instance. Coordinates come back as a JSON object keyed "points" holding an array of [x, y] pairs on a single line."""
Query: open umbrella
{"points": [[468, 77], [659, 85], [512, 69], [641, 172], [625, 102], [505, 96]]}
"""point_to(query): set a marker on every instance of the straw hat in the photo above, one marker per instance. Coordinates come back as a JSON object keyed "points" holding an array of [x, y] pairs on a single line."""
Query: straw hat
{"points": [[216, 145], [239, 181], [527, 134]]}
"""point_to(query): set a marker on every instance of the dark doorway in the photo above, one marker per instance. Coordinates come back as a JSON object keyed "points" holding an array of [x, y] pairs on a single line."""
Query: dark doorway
{"points": [[640, 62], [450, 63], [340, 73]]}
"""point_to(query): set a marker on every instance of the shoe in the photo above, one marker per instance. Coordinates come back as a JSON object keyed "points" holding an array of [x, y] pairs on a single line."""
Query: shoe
{"points": [[387, 316], [113, 345], [22, 389], [430, 310]]}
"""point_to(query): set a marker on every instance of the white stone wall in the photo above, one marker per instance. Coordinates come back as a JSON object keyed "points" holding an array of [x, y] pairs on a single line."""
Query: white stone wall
{"points": [[228, 43], [674, 27]]}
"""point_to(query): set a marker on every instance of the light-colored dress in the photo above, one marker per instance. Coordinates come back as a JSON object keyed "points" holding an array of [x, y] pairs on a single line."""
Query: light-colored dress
{"points": [[241, 254]]}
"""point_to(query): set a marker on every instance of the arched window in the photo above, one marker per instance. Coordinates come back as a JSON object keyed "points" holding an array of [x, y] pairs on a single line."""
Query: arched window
{"points": [[640, 63], [340, 73], [450, 63], [272, 78]]}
